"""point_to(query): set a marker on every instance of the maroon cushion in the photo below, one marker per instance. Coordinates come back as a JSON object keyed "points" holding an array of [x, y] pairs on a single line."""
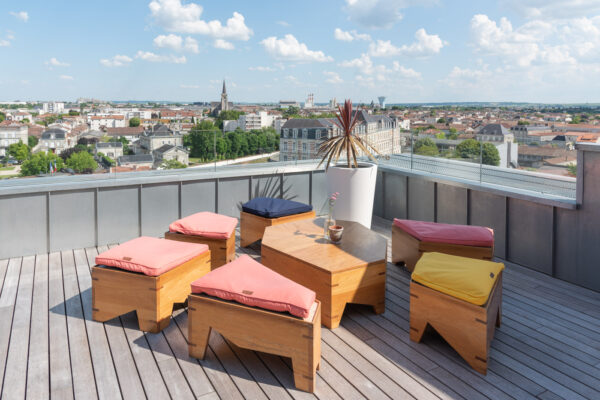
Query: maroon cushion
{"points": [[251, 283], [466, 235]]}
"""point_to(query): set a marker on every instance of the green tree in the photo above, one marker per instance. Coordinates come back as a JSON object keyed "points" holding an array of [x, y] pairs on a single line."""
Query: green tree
{"points": [[490, 155], [74, 113], [173, 164], [468, 149], [291, 112], [426, 147], [39, 163], [25, 120], [440, 135], [133, 122], [2, 116], [32, 141], [572, 169], [576, 120], [522, 122], [20, 151], [126, 149], [227, 116], [441, 120], [452, 130], [82, 162]]}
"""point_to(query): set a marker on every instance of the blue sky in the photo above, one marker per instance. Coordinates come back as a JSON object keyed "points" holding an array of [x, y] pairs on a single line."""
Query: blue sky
{"points": [[407, 50]]}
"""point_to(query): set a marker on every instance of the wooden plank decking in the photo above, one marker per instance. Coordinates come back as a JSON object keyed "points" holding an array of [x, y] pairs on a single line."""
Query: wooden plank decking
{"points": [[548, 346]]}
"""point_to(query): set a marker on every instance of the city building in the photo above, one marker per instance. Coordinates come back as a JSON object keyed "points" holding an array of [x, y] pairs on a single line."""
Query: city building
{"points": [[55, 141], [531, 133], [110, 149], [288, 103], [310, 101], [157, 136], [256, 120], [136, 162], [503, 140], [223, 105], [131, 133], [97, 122], [169, 152], [11, 133]]}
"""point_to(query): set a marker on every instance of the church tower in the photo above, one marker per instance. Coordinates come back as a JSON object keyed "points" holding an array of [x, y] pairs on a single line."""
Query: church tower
{"points": [[224, 102]]}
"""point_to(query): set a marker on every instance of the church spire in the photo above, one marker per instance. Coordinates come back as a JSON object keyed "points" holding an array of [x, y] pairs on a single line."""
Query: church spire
{"points": [[224, 90]]}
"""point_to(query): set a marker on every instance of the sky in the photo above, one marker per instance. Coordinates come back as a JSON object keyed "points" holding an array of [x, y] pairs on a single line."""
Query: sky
{"points": [[407, 50]]}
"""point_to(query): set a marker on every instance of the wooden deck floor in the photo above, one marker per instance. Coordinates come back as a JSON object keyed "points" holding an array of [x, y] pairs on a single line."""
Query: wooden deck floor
{"points": [[547, 348]]}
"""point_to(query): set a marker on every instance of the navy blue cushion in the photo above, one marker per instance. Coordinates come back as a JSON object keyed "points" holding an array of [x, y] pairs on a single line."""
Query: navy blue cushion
{"points": [[274, 208]]}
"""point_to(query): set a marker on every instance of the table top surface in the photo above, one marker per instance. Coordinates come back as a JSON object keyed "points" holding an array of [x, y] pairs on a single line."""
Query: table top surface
{"points": [[304, 241]]}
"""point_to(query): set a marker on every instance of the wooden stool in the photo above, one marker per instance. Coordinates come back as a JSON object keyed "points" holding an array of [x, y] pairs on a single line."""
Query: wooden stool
{"points": [[116, 291], [262, 212], [215, 230], [410, 239], [467, 327], [249, 312]]}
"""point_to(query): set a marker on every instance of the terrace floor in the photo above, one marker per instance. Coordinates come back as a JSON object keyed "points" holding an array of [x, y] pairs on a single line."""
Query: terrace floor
{"points": [[548, 346]]}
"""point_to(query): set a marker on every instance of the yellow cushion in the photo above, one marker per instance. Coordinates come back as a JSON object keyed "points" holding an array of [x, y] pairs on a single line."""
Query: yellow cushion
{"points": [[468, 279]]}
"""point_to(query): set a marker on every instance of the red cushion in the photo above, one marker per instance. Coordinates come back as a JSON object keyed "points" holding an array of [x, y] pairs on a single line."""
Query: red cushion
{"points": [[150, 256], [434, 232], [206, 224], [251, 283]]}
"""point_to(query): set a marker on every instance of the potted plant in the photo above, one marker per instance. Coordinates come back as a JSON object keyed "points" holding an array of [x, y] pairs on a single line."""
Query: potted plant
{"points": [[355, 181]]}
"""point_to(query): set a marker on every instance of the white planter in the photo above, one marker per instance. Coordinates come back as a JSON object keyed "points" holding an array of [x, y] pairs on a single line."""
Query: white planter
{"points": [[357, 190]]}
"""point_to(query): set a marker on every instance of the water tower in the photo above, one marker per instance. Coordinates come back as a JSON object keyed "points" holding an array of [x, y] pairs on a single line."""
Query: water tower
{"points": [[381, 101]]}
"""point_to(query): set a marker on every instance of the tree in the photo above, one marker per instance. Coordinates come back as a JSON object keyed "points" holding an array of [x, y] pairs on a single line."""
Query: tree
{"points": [[25, 120], [126, 149], [227, 116], [2, 116], [441, 120], [32, 141], [172, 164], [468, 149], [490, 155], [291, 112], [522, 122], [77, 149], [426, 147], [39, 163], [20, 151], [82, 162], [133, 122], [572, 169]]}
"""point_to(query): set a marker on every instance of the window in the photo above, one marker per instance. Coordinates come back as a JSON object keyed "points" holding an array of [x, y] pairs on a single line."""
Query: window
{"points": [[294, 146], [285, 146], [304, 133], [285, 132], [295, 133], [318, 134], [304, 148]]}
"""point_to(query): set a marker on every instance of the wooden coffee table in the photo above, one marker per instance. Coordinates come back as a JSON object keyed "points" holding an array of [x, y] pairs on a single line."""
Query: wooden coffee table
{"points": [[352, 271]]}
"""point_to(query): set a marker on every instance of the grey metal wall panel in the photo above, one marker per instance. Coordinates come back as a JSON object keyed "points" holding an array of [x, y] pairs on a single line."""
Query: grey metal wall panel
{"points": [[296, 187], [267, 186], [394, 202], [160, 207], [232, 194], [451, 204], [118, 215], [378, 209], [421, 200], [490, 210], [198, 196], [530, 235], [23, 225], [72, 220], [567, 239], [319, 192]]}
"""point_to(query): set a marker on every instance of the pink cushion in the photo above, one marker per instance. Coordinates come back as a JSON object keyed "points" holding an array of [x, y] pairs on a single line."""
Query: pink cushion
{"points": [[150, 256], [466, 235], [206, 224], [251, 283]]}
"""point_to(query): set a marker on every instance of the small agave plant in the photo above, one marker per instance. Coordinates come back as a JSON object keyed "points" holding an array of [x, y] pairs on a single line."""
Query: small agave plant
{"points": [[347, 142]]}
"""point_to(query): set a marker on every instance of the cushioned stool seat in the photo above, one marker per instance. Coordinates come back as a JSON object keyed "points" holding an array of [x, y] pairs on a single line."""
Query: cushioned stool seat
{"points": [[257, 309], [215, 230], [410, 239], [459, 297], [146, 275], [261, 212]]}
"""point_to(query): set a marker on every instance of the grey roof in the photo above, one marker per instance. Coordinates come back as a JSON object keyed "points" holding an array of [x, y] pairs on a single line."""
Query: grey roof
{"points": [[159, 130], [109, 144], [494, 129], [301, 123], [53, 134], [136, 158], [371, 118], [167, 147]]}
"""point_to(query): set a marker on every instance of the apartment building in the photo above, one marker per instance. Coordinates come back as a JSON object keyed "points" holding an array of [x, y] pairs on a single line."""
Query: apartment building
{"points": [[10, 133], [156, 137], [97, 122]]}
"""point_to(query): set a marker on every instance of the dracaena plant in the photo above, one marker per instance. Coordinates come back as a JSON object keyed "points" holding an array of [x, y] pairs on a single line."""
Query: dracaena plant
{"points": [[347, 141]]}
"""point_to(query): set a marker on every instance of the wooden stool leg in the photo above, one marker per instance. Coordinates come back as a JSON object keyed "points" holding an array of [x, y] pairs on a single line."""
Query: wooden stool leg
{"points": [[151, 321], [198, 339], [304, 374], [417, 326], [379, 308]]}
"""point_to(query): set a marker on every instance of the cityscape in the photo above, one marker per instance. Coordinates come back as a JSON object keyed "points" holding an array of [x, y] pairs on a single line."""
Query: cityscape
{"points": [[349, 199]]}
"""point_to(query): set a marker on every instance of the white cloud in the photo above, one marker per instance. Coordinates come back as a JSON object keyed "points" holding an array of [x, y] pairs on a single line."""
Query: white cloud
{"points": [[4, 43], [185, 18], [22, 15], [333, 77], [176, 43], [190, 86], [117, 61], [348, 36], [554, 9], [381, 73], [66, 77], [223, 44], [288, 48], [466, 77], [425, 45], [380, 13], [158, 58], [283, 23], [262, 69], [53, 62]]}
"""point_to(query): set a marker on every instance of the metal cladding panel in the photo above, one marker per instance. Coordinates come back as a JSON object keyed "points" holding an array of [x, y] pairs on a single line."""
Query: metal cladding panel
{"points": [[490, 210], [267, 186], [378, 200], [421, 202], [232, 194], [297, 187], [198, 196], [395, 202], [72, 220], [23, 225], [530, 235], [451, 204], [118, 215], [160, 207], [320, 193], [567, 263]]}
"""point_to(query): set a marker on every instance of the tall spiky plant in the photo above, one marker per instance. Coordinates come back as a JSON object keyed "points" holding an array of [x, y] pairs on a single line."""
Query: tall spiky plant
{"points": [[346, 141]]}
